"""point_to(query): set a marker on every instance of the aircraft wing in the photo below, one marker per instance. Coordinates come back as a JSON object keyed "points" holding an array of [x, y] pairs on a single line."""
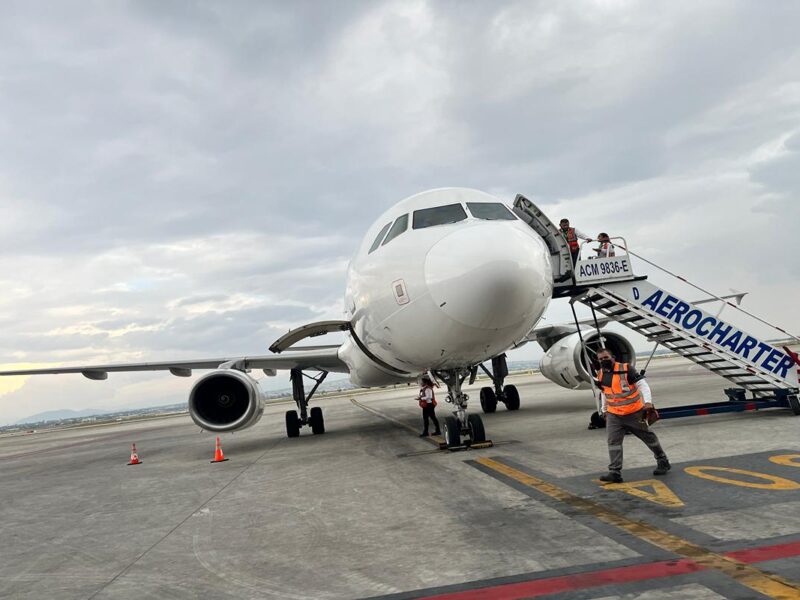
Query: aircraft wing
{"points": [[321, 358]]}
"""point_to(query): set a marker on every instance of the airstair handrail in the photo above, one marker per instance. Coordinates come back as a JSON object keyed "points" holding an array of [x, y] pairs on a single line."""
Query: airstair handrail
{"points": [[705, 291]]}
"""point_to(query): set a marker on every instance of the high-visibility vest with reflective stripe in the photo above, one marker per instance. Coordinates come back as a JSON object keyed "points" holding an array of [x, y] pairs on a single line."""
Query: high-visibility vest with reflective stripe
{"points": [[572, 238], [606, 250], [622, 398], [423, 402]]}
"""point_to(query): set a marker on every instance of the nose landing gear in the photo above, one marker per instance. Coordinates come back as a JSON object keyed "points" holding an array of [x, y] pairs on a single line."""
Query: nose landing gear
{"points": [[508, 394], [461, 425]]}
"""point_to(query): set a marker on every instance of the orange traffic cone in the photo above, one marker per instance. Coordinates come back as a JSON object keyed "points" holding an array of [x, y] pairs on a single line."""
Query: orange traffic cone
{"points": [[134, 457], [218, 455]]}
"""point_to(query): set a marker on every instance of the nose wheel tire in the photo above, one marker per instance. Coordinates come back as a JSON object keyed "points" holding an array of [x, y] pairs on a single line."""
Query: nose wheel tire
{"points": [[511, 397], [292, 424], [452, 432], [476, 431], [316, 421], [488, 400]]}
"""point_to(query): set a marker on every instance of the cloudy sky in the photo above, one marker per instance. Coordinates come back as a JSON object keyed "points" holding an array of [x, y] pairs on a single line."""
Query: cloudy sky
{"points": [[189, 179]]}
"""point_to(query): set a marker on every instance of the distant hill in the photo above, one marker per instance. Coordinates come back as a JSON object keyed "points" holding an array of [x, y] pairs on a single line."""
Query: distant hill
{"points": [[57, 415]]}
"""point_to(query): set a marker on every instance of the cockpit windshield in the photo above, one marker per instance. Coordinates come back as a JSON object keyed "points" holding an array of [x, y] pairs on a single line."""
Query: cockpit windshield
{"points": [[379, 238], [490, 211], [399, 227], [439, 215]]}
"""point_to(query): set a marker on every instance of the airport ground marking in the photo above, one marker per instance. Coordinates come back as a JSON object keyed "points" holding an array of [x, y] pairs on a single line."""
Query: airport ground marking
{"points": [[661, 493], [543, 585], [788, 460], [763, 582], [773, 481], [431, 439]]}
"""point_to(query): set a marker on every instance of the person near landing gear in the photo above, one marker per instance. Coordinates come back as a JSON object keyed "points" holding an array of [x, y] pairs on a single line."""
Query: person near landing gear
{"points": [[627, 405], [427, 402]]}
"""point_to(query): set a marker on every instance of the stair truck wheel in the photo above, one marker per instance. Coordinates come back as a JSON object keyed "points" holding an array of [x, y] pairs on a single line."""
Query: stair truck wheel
{"points": [[794, 404]]}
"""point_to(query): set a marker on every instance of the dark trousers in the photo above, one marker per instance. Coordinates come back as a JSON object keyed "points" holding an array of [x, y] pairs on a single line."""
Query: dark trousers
{"points": [[429, 412], [575, 254], [617, 425]]}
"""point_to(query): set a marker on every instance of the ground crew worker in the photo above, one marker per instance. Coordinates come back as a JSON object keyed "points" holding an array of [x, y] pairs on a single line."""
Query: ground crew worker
{"points": [[626, 402], [572, 235], [606, 248], [427, 402]]}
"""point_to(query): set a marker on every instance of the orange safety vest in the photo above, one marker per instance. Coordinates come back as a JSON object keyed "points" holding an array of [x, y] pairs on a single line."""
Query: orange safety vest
{"points": [[422, 401], [572, 239], [622, 398]]}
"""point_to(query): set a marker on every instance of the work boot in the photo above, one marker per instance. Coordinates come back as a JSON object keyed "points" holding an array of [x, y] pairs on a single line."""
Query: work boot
{"points": [[423, 434], [611, 477], [662, 467], [437, 432]]}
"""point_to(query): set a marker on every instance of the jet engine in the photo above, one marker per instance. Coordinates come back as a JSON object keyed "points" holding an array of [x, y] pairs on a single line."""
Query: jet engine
{"points": [[564, 362], [226, 400]]}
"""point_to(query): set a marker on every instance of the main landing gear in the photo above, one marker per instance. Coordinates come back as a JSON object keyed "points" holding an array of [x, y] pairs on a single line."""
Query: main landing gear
{"points": [[460, 425], [506, 394], [312, 418]]}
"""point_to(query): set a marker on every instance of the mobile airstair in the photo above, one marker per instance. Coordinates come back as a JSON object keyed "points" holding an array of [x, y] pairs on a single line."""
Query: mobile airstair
{"points": [[609, 287]]}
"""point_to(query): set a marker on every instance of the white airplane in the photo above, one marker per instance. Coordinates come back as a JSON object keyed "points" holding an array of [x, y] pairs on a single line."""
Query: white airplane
{"points": [[442, 281]]}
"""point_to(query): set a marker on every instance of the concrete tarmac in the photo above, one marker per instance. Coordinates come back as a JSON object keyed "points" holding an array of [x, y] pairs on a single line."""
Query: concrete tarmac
{"points": [[371, 510]]}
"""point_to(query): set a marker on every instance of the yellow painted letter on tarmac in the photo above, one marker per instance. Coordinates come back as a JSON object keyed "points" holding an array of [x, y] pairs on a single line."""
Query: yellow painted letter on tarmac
{"points": [[789, 460], [771, 482], [660, 493]]}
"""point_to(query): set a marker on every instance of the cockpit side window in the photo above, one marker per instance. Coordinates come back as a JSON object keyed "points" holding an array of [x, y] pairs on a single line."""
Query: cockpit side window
{"points": [[378, 239], [399, 227], [490, 211], [439, 215]]}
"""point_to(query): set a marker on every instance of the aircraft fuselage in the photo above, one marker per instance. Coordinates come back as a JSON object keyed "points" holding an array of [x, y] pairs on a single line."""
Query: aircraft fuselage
{"points": [[442, 295]]}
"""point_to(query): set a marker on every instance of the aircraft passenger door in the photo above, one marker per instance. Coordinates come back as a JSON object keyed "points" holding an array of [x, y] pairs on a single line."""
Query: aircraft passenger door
{"points": [[560, 257]]}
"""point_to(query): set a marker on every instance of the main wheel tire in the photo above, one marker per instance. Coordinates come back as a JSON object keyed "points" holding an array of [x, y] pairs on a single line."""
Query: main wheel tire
{"points": [[512, 397], [316, 421], [452, 432], [476, 431], [292, 424], [794, 404], [488, 400]]}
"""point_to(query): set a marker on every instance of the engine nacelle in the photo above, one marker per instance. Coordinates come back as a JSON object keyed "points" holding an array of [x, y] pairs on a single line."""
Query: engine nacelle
{"points": [[564, 362], [226, 400]]}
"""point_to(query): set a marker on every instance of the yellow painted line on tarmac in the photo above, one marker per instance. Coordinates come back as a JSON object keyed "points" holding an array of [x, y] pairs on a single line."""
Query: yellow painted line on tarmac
{"points": [[788, 460], [660, 494], [773, 482], [765, 583]]}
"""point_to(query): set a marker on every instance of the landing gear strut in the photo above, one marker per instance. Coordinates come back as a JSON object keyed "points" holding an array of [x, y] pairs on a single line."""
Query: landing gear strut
{"points": [[506, 394], [460, 425], [312, 418]]}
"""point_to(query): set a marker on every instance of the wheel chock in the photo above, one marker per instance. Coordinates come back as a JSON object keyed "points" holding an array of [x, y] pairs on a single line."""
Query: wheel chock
{"points": [[482, 445], [475, 446]]}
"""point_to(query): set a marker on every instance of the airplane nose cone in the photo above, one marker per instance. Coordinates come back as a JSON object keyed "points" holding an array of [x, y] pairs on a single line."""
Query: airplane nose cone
{"points": [[489, 276]]}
